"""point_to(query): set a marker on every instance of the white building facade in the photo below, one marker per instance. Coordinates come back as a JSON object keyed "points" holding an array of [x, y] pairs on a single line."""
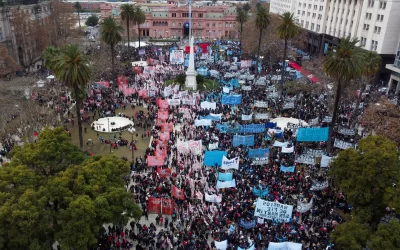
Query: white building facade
{"points": [[281, 6]]}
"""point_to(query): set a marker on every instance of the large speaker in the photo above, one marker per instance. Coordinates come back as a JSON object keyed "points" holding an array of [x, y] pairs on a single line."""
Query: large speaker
{"points": [[186, 27]]}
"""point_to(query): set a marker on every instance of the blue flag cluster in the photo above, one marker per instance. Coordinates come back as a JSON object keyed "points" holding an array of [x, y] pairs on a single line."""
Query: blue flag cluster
{"points": [[245, 140], [260, 192], [211, 117], [232, 99], [287, 169], [258, 153], [225, 176], [312, 134], [250, 128], [214, 158]]}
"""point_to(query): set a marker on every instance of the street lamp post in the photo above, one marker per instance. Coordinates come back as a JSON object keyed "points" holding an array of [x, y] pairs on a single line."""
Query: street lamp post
{"points": [[109, 131], [133, 152]]}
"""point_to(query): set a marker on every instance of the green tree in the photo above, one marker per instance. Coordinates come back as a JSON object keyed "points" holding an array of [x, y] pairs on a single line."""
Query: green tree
{"points": [[343, 64], [367, 176], [68, 202], [242, 16], [49, 54], [246, 7], [350, 236], [262, 22], [78, 8], [110, 33], [127, 15], [92, 21], [139, 18], [72, 68], [386, 237], [286, 30]]}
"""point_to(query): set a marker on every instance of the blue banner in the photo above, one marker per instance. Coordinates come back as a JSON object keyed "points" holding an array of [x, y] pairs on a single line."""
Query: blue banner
{"points": [[258, 153], [211, 117], [270, 125], [214, 158], [247, 140], [247, 224], [234, 82], [252, 128], [225, 176], [232, 99], [287, 169], [260, 192], [312, 134]]}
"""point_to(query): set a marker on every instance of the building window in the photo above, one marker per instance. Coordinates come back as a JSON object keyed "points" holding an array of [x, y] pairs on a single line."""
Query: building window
{"points": [[319, 16], [200, 15], [173, 14], [315, 7], [308, 13], [303, 13], [381, 18], [366, 26], [307, 25], [321, 8], [312, 26], [298, 12], [382, 5], [302, 23], [318, 27], [314, 15], [173, 24]]}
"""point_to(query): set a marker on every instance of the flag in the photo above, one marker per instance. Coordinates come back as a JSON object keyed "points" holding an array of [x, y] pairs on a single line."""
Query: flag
{"points": [[178, 193]]}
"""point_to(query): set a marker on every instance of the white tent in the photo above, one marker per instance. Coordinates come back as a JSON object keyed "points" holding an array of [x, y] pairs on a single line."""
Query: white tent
{"points": [[283, 121], [136, 44], [139, 63]]}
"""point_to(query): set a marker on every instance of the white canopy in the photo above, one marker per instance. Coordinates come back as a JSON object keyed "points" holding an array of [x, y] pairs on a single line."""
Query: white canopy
{"points": [[283, 121], [139, 63], [136, 44]]}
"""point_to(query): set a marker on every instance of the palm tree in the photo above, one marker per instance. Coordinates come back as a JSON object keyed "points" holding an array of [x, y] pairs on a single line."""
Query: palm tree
{"points": [[49, 55], [372, 62], [242, 16], [78, 7], [72, 68], [111, 34], [286, 30], [262, 22], [139, 18], [344, 63], [127, 15]]}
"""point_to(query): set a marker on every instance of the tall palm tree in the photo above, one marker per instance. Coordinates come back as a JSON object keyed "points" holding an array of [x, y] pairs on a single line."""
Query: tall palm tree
{"points": [[49, 55], [72, 68], [286, 30], [344, 63], [139, 18], [372, 62], [78, 7], [262, 22], [111, 34], [127, 15], [242, 16]]}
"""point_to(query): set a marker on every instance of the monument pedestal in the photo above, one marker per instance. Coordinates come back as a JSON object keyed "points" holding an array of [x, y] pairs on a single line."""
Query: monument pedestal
{"points": [[191, 73]]}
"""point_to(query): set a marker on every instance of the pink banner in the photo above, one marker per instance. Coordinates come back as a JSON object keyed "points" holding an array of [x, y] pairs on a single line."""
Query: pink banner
{"points": [[105, 84], [162, 115], [164, 136], [122, 80], [153, 161], [163, 104], [167, 127]]}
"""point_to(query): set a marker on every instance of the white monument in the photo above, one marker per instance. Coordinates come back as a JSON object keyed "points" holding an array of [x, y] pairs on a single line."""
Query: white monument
{"points": [[191, 72]]}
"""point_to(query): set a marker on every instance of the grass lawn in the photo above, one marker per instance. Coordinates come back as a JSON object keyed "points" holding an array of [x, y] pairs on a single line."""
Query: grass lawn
{"points": [[99, 148]]}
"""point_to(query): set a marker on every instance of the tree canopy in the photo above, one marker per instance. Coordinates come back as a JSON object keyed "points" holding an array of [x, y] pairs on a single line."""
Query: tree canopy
{"points": [[51, 188], [93, 20]]}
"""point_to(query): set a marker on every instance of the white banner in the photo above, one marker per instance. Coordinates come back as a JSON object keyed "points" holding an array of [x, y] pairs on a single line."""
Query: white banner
{"points": [[327, 119], [226, 184], [304, 207], [230, 163], [260, 161], [325, 161], [305, 159], [183, 93], [342, 144], [246, 88], [213, 198], [260, 104], [317, 186], [346, 131], [273, 210], [287, 150], [247, 117], [212, 146], [280, 144], [261, 116], [174, 102], [221, 245], [167, 91], [225, 89], [313, 122], [208, 105], [202, 122], [188, 101], [284, 246], [288, 105]]}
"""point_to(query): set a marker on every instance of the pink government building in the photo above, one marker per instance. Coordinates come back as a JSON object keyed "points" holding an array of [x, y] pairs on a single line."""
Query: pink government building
{"points": [[171, 20]]}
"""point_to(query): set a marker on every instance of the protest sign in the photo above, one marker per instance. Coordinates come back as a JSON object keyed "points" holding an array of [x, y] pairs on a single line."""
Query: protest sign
{"points": [[273, 210], [327, 119], [225, 176], [316, 186], [246, 88], [177, 193], [325, 161], [174, 102], [208, 105], [313, 122], [221, 245], [342, 144], [230, 163], [305, 159], [261, 116], [287, 150], [214, 158], [176, 56], [284, 246], [247, 224], [203, 122], [303, 207], [246, 140], [312, 134], [163, 115], [231, 99], [167, 91], [213, 198], [288, 105], [252, 128], [346, 131], [260, 192], [261, 104], [164, 172], [213, 146], [287, 169], [258, 153], [153, 161], [259, 161], [226, 184], [247, 117], [314, 152]]}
